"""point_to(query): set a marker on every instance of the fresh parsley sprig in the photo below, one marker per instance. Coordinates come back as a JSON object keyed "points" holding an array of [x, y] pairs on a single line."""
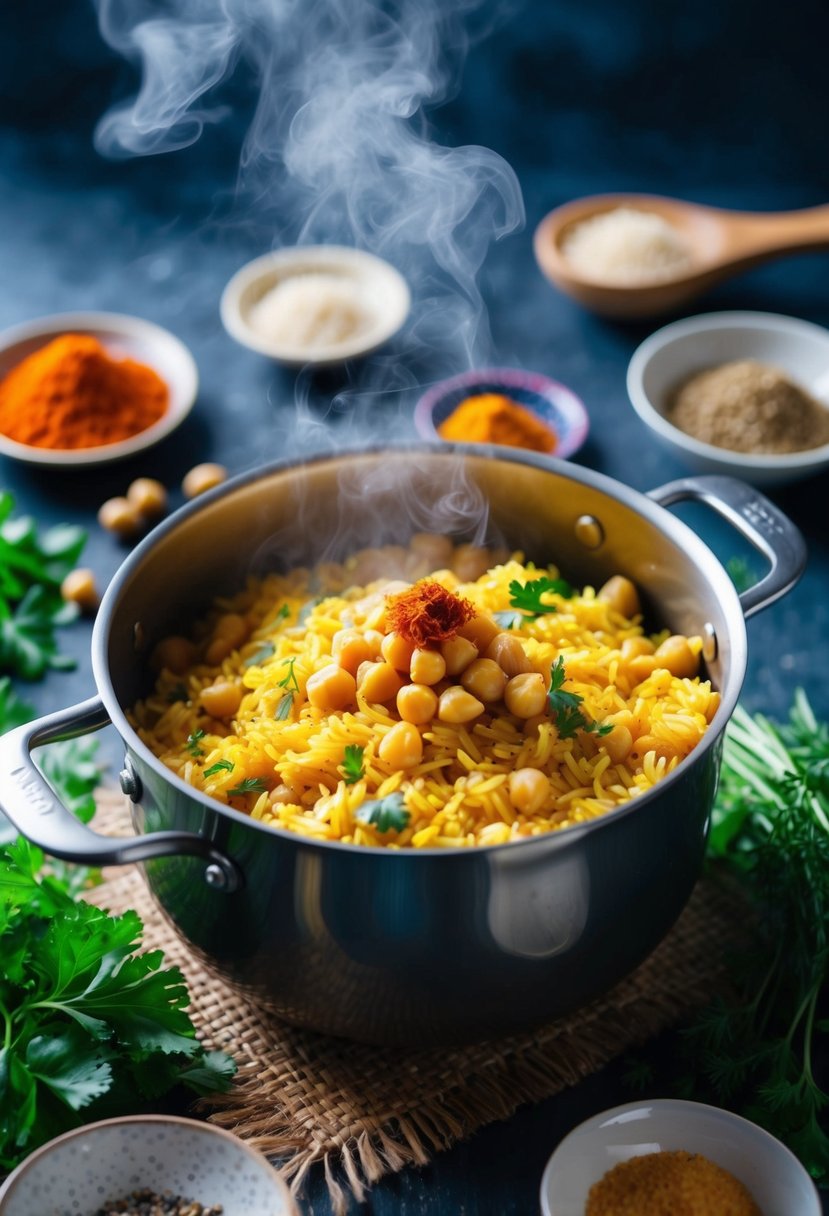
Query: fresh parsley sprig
{"points": [[352, 765], [249, 785], [220, 766], [87, 1023], [289, 682], [193, 743], [566, 707], [32, 566], [527, 597], [387, 814]]}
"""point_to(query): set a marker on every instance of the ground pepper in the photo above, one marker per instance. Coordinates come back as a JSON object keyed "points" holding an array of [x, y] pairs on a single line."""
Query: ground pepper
{"points": [[145, 1202], [427, 613], [72, 394], [747, 406], [669, 1184], [493, 418]]}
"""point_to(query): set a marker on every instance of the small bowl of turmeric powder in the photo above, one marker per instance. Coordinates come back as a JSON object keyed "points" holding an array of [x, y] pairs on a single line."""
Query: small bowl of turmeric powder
{"points": [[668, 1155], [81, 389], [504, 406]]}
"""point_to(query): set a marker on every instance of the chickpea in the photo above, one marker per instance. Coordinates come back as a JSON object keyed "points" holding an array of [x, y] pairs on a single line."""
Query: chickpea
{"points": [[532, 724], [380, 682], [529, 789], [633, 647], [621, 596], [283, 795], [642, 666], [222, 699], [677, 656], [509, 654], [373, 638], [427, 666], [480, 631], [233, 626], [458, 653], [402, 746], [618, 743], [457, 705], [470, 562], [148, 496], [79, 588], [175, 653], [217, 650], [417, 703], [525, 694], [435, 550], [331, 687], [485, 680], [350, 649], [397, 651], [119, 516], [201, 478]]}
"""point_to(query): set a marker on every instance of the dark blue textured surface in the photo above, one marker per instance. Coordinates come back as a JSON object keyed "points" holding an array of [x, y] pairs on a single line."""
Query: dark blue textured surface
{"points": [[726, 104]]}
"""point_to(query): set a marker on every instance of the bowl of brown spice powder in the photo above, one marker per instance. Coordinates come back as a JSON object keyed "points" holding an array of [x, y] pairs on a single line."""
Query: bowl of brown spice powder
{"points": [[668, 1155], [743, 393]]}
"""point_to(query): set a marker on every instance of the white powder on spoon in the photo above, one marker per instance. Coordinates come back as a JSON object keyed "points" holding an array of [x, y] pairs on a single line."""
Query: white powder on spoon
{"points": [[627, 248]]}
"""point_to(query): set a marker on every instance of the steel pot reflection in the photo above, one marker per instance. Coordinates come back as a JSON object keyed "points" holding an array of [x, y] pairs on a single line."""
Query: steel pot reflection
{"points": [[414, 946]]}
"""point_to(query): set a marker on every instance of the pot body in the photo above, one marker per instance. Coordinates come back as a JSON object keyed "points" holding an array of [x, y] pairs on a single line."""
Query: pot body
{"points": [[422, 946]]}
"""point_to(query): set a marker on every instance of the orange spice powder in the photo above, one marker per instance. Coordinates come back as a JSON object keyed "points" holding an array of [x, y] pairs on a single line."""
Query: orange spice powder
{"points": [[427, 613], [493, 418], [669, 1184], [72, 394]]}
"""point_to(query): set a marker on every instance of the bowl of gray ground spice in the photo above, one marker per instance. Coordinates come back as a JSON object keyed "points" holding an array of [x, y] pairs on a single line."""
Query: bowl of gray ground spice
{"points": [[741, 393], [146, 1165]]}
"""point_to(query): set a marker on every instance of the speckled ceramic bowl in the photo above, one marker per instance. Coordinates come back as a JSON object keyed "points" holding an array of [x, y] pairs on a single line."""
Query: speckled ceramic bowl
{"points": [[75, 1174], [554, 404]]}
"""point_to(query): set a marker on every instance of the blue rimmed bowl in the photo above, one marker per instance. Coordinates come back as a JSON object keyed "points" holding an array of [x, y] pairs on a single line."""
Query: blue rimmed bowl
{"points": [[555, 404]]}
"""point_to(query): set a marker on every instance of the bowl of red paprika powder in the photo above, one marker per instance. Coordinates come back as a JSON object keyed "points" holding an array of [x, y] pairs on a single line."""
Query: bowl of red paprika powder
{"points": [[87, 388]]}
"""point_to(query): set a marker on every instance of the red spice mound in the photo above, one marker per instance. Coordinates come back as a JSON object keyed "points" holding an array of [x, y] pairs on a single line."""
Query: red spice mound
{"points": [[427, 612], [71, 394]]}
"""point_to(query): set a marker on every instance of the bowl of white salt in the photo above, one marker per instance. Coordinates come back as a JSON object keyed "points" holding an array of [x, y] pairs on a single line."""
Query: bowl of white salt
{"points": [[741, 393], [315, 304]]}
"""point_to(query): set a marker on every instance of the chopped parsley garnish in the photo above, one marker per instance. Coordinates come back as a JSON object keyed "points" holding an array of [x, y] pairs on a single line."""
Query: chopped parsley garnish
{"points": [[352, 765], [283, 709], [250, 785], [193, 740], [220, 766], [526, 597], [565, 707], [386, 814]]}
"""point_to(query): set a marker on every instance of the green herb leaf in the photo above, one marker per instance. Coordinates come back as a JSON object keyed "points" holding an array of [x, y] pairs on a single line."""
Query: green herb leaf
{"points": [[352, 765], [193, 740], [283, 709], [89, 1024], [250, 785], [289, 681], [565, 707], [386, 814], [527, 597], [13, 711], [220, 766]]}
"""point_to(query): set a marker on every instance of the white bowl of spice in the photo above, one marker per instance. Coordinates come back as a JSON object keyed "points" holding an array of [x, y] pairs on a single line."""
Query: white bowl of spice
{"points": [[145, 1164], [743, 393], [315, 305], [669, 1155]]}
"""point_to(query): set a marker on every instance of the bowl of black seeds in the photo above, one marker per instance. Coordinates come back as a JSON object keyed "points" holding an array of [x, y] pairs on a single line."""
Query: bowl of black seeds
{"points": [[146, 1165]]}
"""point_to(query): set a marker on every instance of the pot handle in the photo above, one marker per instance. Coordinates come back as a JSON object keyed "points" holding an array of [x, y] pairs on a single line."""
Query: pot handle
{"points": [[33, 808], [757, 519]]}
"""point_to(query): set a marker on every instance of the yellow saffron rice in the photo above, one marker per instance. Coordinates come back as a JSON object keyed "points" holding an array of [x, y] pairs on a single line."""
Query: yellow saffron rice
{"points": [[286, 758]]}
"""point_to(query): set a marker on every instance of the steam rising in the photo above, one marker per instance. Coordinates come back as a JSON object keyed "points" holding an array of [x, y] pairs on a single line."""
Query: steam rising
{"points": [[338, 150]]}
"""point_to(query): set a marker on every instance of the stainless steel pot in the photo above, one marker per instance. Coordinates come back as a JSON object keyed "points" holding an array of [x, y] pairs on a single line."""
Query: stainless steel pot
{"points": [[412, 946]]}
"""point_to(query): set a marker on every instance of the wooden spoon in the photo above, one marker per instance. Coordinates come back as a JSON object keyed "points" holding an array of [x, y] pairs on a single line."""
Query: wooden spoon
{"points": [[722, 243]]}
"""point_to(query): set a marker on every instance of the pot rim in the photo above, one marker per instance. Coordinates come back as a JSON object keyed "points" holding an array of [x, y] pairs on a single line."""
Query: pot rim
{"points": [[637, 501]]}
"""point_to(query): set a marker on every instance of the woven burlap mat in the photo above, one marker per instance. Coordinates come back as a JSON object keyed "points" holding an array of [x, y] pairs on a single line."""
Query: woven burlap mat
{"points": [[366, 1111]]}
